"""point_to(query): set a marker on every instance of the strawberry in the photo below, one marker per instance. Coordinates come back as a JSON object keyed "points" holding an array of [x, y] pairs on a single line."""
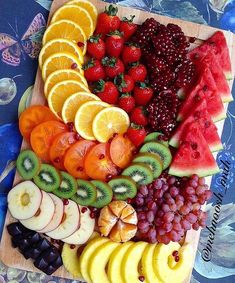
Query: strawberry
{"points": [[124, 83], [138, 116], [131, 53], [113, 66], [108, 21], [127, 27], [126, 102], [142, 94], [136, 134], [114, 44], [93, 70], [138, 72], [96, 47], [107, 91]]}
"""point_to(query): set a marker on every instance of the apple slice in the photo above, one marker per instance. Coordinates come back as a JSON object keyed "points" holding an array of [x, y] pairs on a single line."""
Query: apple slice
{"points": [[43, 216], [84, 232], [24, 200], [69, 224], [57, 217]]}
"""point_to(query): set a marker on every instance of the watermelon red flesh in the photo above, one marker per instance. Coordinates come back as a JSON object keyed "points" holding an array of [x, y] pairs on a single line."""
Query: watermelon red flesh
{"points": [[217, 43], [193, 156], [205, 88], [202, 118]]}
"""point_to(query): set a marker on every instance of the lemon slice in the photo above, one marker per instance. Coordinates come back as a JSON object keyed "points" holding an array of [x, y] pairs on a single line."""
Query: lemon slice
{"points": [[76, 14], [59, 45], [67, 30], [58, 61], [63, 75], [109, 121], [84, 118], [60, 92], [72, 104]]}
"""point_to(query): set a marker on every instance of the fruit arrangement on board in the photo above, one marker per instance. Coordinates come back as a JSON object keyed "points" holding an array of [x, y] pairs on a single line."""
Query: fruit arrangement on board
{"points": [[114, 173]]}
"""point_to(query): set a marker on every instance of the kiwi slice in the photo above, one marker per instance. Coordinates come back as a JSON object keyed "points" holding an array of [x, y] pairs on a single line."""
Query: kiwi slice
{"points": [[67, 187], [152, 160], [155, 138], [85, 194], [140, 173], [160, 150], [27, 164], [123, 187], [48, 178], [104, 194]]}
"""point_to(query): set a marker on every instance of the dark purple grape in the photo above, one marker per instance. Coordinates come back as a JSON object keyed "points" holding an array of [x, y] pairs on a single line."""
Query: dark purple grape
{"points": [[150, 216]]}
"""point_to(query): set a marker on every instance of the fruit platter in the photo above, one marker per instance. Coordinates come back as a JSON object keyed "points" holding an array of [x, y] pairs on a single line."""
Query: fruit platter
{"points": [[119, 145]]}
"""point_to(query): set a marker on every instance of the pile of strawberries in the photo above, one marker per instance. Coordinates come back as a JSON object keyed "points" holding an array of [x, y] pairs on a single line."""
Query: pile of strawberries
{"points": [[114, 71]]}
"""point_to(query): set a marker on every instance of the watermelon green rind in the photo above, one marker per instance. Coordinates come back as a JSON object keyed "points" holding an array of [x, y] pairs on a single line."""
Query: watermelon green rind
{"points": [[202, 172], [228, 75]]}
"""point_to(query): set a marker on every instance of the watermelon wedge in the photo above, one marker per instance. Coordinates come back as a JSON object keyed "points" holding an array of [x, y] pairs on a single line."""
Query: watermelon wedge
{"points": [[201, 117], [216, 43], [193, 156], [205, 88]]}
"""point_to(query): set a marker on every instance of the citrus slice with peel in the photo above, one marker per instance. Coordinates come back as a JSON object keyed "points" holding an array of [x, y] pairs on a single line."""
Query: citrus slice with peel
{"points": [[73, 102], [87, 5], [60, 92], [58, 61], [59, 45], [67, 30], [108, 122], [63, 75], [84, 118], [76, 14]]}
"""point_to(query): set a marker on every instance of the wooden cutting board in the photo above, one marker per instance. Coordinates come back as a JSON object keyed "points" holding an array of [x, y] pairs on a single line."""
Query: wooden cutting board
{"points": [[11, 257]]}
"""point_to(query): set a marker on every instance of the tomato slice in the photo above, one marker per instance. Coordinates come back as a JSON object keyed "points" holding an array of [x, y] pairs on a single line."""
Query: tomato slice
{"points": [[60, 144], [75, 157], [42, 136], [33, 116]]}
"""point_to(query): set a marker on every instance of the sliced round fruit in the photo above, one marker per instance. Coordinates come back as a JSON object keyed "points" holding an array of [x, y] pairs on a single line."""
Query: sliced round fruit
{"points": [[159, 149], [59, 45], [75, 158], [156, 137], [42, 136], [152, 160], [98, 164], [69, 224], [121, 151], [108, 122], [61, 143], [67, 30], [48, 178], [104, 194], [67, 187], [85, 230], [60, 61], [76, 14], [123, 187], [71, 260], [27, 164], [60, 92], [63, 75], [85, 116], [24, 200], [85, 194], [33, 116], [140, 173], [73, 102]]}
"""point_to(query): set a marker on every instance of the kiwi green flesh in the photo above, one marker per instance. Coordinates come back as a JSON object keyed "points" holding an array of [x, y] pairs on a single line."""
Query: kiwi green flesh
{"points": [[67, 187], [160, 150], [153, 137], [123, 187], [152, 160], [27, 164], [48, 179], [140, 173], [85, 194], [104, 194]]}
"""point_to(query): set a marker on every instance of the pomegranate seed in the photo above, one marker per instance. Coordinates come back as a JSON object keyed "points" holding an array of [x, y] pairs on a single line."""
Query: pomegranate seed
{"points": [[74, 66], [192, 39], [57, 160], [77, 137], [134, 152], [125, 135], [141, 278], [84, 209], [80, 169], [53, 241], [80, 44], [129, 200], [119, 170], [108, 177], [110, 140], [175, 253], [115, 134], [65, 201], [72, 247], [101, 156], [70, 126], [177, 258], [92, 214]]}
